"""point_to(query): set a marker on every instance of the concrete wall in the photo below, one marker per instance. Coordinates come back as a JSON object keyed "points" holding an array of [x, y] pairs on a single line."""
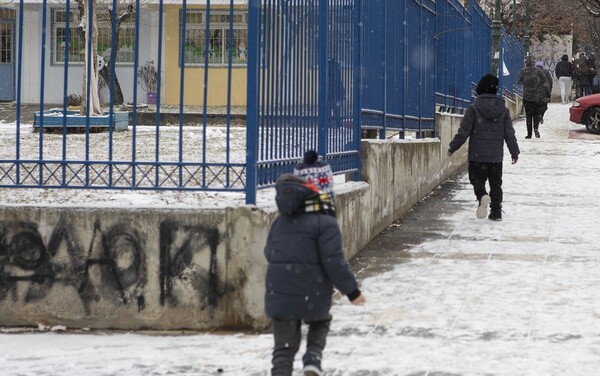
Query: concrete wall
{"points": [[198, 269]]}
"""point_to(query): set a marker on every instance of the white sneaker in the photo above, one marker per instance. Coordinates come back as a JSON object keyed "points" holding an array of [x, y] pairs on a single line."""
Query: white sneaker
{"points": [[310, 370], [482, 210]]}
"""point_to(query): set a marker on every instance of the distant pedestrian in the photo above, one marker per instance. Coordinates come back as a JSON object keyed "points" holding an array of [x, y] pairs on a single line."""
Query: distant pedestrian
{"points": [[316, 171], [543, 105], [583, 75], [306, 260], [564, 72], [488, 125], [535, 88]]}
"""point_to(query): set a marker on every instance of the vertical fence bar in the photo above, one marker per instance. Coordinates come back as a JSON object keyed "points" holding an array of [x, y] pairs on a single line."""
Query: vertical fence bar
{"points": [[323, 90], [159, 90], [42, 82], [19, 86], [182, 33], [252, 95], [65, 92]]}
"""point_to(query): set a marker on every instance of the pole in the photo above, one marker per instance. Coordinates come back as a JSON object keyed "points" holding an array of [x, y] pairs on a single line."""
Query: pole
{"points": [[496, 24], [526, 36]]}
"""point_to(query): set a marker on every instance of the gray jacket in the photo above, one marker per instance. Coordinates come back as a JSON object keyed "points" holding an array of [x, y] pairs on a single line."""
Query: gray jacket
{"points": [[306, 259], [487, 124], [535, 85]]}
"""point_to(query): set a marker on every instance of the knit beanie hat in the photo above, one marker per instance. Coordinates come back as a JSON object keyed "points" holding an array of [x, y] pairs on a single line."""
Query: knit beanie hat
{"points": [[539, 64], [310, 157], [565, 57], [487, 85]]}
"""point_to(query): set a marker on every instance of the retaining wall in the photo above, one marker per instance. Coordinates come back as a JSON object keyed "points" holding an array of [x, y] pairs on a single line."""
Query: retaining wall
{"points": [[196, 269]]}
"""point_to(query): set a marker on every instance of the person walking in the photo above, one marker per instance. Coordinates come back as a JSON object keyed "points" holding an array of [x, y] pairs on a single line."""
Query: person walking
{"points": [[583, 75], [564, 73], [535, 88], [305, 261], [316, 171], [543, 105], [488, 125]]}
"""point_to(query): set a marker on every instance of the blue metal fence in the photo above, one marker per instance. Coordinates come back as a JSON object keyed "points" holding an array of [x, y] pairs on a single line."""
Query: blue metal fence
{"points": [[303, 90], [319, 72]]}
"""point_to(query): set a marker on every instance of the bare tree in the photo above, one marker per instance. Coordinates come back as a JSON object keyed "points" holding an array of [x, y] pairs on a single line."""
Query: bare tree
{"points": [[105, 71]]}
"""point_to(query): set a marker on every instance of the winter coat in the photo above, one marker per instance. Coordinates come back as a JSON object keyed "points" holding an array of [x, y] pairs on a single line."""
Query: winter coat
{"points": [[306, 260], [548, 95], [535, 85], [564, 68], [487, 124]]}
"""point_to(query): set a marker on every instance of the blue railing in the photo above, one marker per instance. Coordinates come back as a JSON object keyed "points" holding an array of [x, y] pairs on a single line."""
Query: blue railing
{"points": [[319, 72], [303, 90]]}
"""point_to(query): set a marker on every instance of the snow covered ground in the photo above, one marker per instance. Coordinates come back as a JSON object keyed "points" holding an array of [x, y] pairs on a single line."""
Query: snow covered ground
{"points": [[517, 297]]}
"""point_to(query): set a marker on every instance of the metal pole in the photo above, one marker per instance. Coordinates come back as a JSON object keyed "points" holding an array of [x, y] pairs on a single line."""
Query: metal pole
{"points": [[526, 35], [513, 30], [496, 24]]}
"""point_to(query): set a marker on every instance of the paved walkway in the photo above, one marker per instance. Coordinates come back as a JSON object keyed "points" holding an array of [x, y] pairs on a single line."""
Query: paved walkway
{"points": [[448, 294]]}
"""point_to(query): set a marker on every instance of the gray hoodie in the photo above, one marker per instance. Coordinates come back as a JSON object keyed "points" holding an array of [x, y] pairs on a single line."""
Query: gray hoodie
{"points": [[488, 125]]}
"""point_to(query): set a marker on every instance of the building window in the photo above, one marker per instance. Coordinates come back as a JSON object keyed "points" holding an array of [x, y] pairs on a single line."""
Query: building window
{"points": [[125, 52], [223, 31]]}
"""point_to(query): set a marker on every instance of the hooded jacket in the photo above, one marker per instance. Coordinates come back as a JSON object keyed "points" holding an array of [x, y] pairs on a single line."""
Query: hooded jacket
{"points": [[306, 259], [535, 85], [487, 125]]}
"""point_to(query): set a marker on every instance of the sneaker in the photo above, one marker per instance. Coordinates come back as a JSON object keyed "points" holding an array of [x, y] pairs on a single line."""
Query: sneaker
{"points": [[537, 134], [312, 364], [495, 215], [528, 136], [482, 210], [311, 370]]}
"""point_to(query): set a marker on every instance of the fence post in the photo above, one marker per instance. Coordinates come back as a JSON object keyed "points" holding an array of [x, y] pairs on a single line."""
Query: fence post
{"points": [[252, 100], [323, 66]]}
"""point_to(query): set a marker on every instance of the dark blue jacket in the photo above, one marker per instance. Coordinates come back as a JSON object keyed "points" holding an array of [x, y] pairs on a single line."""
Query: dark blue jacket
{"points": [[306, 260], [487, 125]]}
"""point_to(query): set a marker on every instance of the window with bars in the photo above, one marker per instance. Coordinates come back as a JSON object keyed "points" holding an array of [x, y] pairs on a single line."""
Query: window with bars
{"points": [[76, 50], [6, 43], [224, 32]]}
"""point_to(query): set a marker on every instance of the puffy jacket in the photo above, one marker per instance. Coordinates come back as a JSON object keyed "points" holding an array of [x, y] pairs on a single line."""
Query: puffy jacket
{"points": [[534, 84], [487, 125], [306, 260], [564, 68]]}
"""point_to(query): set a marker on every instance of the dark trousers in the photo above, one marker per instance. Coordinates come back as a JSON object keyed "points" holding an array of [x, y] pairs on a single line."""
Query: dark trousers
{"points": [[479, 173], [288, 335], [531, 116]]}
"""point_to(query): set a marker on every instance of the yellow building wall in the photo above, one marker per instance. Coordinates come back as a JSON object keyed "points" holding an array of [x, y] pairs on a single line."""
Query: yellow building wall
{"points": [[194, 75]]}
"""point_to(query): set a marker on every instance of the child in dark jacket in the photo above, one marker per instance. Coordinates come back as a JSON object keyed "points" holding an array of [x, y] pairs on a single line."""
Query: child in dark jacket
{"points": [[488, 125], [306, 260]]}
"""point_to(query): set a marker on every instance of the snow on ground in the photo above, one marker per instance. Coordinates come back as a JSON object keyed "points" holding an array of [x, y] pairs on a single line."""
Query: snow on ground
{"points": [[518, 297]]}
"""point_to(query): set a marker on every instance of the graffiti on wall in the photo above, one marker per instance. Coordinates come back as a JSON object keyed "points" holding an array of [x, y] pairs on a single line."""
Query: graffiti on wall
{"points": [[36, 262], [110, 267], [180, 245]]}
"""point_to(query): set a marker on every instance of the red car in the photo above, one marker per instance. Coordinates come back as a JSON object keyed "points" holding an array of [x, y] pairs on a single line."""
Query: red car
{"points": [[586, 111]]}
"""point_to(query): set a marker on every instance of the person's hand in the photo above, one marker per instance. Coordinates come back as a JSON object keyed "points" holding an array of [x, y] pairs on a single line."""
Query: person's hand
{"points": [[360, 300], [449, 154], [514, 160]]}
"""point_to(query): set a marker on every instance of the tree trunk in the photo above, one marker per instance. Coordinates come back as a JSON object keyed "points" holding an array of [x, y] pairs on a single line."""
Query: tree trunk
{"points": [[90, 72], [118, 94]]}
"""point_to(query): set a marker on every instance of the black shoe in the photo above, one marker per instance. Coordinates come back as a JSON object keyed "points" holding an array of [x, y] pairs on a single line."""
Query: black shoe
{"points": [[495, 215], [528, 136], [537, 134]]}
